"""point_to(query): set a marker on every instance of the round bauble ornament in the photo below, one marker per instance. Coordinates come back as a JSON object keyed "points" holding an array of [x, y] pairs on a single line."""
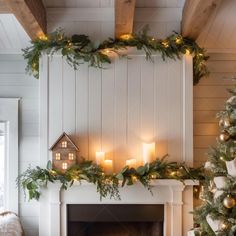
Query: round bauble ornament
{"points": [[224, 136], [225, 122], [232, 100], [229, 202]]}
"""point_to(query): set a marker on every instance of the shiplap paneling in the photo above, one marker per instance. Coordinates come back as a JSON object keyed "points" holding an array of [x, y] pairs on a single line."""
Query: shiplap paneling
{"points": [[15, 83], [209, 98], [118, 108]]}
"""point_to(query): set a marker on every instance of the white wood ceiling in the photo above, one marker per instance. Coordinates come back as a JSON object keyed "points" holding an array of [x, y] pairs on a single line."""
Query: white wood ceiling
{"points": [[110, 3], [12, 35], [219, 34]]}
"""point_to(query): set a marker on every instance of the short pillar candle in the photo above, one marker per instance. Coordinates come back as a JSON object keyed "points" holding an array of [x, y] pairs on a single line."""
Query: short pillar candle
{"points": [[131, 163], [108, 166]]}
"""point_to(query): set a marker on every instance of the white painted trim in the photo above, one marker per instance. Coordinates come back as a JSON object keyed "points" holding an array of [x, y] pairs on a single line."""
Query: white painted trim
{"points": [[167, 192], [188, 110], [44, 109], [9, 113]]}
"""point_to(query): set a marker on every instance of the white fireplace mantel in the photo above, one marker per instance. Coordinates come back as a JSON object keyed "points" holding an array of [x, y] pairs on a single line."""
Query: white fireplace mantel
{"points": [[116, 110], [166, 191]]}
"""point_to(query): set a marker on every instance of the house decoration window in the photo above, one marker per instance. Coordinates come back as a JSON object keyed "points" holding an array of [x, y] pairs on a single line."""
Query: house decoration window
{"points": [[64, 144], [64, 166], [58, 156], [71, 156]]}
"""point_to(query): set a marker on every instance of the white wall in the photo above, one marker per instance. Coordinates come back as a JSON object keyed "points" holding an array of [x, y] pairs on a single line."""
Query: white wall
{"points": [[117, 109], [15, 83]]}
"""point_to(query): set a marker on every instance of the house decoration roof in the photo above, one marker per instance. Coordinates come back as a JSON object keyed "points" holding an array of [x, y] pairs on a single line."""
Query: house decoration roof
{"points": [[69, 139]]}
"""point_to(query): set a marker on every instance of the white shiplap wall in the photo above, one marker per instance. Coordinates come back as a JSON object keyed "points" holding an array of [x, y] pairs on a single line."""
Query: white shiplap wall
{"points": [[15, 83], [117, 109]]}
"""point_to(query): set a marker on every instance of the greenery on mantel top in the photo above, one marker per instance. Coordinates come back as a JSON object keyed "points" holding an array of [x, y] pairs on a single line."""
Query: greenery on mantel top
{"points": [[79, 48], [107, 185]]}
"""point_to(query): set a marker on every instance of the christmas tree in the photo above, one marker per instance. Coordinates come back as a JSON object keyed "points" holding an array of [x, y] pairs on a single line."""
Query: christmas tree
{"points": [[217, 214]]}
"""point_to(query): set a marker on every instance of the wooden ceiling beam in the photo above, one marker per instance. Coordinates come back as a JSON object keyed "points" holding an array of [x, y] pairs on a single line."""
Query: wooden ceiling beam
{"points": [[31, 14], [196, 14], [4, 9], [124, 17]]}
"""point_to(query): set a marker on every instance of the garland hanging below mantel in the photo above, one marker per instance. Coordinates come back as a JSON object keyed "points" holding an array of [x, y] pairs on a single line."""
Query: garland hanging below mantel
{"points": [[79, 48], [107, 184]]}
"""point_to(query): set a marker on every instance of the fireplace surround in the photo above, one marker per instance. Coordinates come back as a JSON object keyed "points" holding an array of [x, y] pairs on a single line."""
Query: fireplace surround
{"points": [[116, 110], [174, 197]]}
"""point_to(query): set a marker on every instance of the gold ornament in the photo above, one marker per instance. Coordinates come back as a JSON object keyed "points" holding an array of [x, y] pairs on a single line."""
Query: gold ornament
{"points": [[229, 202], [225, 122], [223, 225], [165, 44], [224, 136]]}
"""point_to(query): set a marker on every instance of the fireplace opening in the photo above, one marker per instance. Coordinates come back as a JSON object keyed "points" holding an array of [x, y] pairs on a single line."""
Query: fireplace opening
{"points": [[115, 220]]}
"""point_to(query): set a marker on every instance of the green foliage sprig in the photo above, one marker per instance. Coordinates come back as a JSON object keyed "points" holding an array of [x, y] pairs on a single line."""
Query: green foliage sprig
{"points": [[107, 185], [79, 48]]}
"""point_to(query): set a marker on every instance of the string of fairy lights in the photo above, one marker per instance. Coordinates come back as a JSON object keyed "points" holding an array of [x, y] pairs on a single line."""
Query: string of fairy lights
{"points": [[78, 49]]}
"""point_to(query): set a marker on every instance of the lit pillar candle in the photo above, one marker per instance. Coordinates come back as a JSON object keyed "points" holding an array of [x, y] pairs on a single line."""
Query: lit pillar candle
{"points": [[108, 166], [148, 152], [131, 163], [100, 157]]}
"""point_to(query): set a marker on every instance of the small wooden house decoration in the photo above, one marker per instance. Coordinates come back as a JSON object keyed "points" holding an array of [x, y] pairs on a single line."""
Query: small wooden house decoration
{"points": [[64, 153]]}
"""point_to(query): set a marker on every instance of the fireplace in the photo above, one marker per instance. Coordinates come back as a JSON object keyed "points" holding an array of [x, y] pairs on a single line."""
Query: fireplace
{"points": [[115, 219], [171, 202]]}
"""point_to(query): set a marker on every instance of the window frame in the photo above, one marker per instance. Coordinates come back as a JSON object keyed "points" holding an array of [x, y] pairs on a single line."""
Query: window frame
{"points": [[9, 113]]}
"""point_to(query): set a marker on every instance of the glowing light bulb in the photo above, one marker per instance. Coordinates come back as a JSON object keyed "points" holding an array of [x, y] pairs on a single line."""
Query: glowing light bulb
{"points": [[43, 37], [179, 40], [187, 52], [165, 44], [134, 178], [126, 36]]}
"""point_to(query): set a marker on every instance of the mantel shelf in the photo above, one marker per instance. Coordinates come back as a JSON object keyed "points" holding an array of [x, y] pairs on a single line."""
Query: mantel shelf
{"points": [[154, 183]]}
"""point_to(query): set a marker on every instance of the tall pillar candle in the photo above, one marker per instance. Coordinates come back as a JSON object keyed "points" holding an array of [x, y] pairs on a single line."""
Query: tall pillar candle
{"points": [[100, 157], [148, 152]]}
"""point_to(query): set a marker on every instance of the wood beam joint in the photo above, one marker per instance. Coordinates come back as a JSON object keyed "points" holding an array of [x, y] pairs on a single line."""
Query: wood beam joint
{"points": [[31, 14], [196, 14], [124, 17]]}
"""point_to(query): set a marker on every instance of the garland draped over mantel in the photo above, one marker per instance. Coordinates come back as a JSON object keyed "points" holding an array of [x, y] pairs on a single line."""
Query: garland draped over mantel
{"points": [[107, 185], [79, 48]]}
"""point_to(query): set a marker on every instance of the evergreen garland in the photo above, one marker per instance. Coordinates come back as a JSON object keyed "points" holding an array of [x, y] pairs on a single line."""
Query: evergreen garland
{"points": [[79, 48], [107, 185]]}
